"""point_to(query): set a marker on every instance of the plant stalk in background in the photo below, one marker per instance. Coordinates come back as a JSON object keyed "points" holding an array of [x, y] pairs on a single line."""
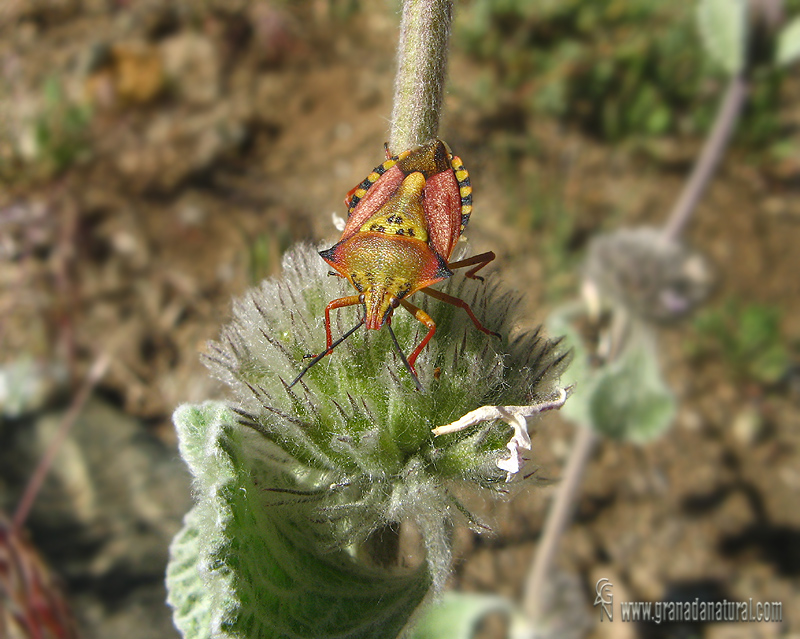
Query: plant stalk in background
{"points": [[723, 26], [31, 600]]}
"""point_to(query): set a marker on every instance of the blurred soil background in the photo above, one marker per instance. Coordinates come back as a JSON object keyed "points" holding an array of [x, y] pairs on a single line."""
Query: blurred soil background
{"points": [[157, 158]]}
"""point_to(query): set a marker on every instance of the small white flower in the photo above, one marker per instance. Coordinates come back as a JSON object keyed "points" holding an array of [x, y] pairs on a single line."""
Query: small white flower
{"points": [[514, 416]]}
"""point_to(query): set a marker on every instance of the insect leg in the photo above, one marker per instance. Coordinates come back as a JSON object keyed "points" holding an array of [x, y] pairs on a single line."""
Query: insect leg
{"points": [[350, 300], [330, 345], [444, 297], [349, 197], [480, 260], [420, 316], [408, 366]]}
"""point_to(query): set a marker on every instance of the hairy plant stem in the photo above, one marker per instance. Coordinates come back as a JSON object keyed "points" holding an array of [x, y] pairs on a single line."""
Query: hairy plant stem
{"points": [[96, 373], [558, 517], [419, 87], [708, 162], [421, 72], [560, 511]]}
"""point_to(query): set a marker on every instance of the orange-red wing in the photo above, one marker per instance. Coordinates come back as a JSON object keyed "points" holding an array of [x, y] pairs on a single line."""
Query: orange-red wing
{"points": [[442, 203], [375, 197]]}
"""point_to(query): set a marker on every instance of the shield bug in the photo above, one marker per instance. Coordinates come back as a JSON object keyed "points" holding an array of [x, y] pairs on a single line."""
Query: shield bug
{"points": [[403, 223]]}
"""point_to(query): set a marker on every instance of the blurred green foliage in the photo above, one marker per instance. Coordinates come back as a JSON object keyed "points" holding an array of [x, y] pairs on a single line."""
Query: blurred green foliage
{"points": [[540, 208], [46, 140], [265, 252], [748, 339], [60, 131], [615, 67]]}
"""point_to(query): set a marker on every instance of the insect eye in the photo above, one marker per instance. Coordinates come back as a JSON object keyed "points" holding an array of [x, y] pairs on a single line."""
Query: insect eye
{"points": [[394, 302], [361, 298]]}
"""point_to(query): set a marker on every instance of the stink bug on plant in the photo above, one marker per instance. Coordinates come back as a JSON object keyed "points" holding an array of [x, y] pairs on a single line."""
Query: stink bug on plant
{"points": [[403, 223]]}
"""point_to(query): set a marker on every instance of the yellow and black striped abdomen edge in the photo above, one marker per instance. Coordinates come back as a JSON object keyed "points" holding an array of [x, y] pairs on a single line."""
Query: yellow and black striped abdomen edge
{"points": [[464, 188]]}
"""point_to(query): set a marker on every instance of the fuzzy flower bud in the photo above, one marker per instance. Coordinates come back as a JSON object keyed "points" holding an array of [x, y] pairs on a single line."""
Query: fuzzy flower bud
{"points": [[655, 278], [352, 447]]}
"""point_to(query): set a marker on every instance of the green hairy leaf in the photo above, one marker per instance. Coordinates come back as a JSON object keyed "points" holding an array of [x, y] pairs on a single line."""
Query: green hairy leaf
{"points": [[630, 400], [458, 615], [245, 565], [626, 399], [789, 42], [580, 373], [723, 30]]}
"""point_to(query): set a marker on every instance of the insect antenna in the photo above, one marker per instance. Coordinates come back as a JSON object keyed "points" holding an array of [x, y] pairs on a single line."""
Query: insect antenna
{"points": [[325, 352], [403, 358]]}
